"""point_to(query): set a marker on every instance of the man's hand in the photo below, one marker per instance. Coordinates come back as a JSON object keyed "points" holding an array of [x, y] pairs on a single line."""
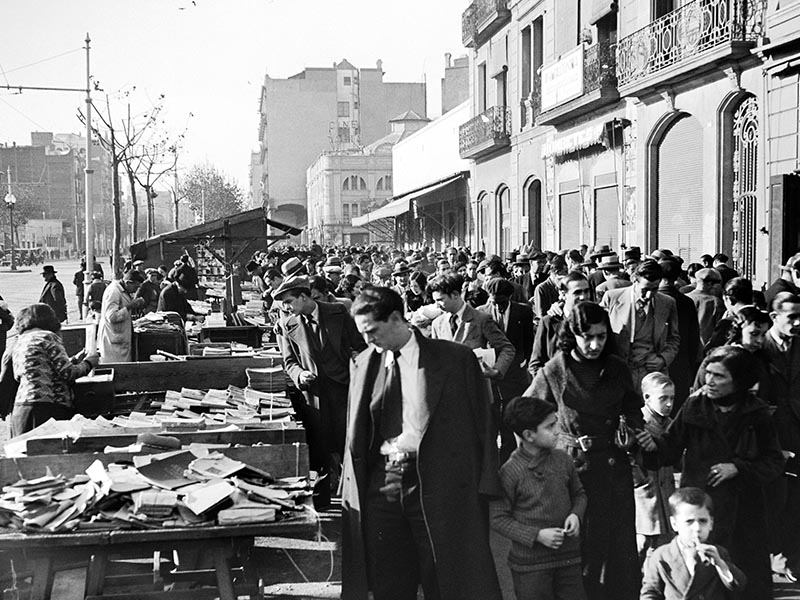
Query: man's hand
{"points": [[572, 525], [646, 441], [655, 363], [491, 373], [93, 359], [551, 537], [721, 472], [307, 378], [137, 302]]}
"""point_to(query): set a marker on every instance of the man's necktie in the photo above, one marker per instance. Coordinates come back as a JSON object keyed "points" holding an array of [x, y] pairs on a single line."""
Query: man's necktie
{"points": [[392, 402], [641, 311], [312, 329], [453, 325]]}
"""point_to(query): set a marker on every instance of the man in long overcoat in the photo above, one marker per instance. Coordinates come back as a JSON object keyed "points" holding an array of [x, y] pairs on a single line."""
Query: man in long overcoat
{"points": [[430, 526]]}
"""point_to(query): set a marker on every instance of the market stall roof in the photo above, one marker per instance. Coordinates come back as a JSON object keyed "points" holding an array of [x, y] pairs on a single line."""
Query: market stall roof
{"points": [[244, 227], [402, 202]]}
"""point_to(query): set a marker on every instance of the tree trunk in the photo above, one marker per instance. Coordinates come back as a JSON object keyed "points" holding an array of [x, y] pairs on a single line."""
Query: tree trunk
{"points": [[135, 206], [175, 204], [115, 203], [148, 190]]}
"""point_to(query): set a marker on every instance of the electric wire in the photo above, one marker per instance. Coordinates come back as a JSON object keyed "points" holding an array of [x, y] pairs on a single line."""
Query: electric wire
{"points": [[15, 109], [38, 62]]}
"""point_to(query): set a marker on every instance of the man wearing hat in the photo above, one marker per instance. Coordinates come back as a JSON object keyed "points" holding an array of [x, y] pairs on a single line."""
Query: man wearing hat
{"points": [[150, 290], [515, 320], [546, 293], [596, 277], [710, 308], [174, 298], [631, 259], [94, 297], [318, 341], [611, 270], [53, 293], [400, 274], [293, 267], [333, 271], [116, 321]]}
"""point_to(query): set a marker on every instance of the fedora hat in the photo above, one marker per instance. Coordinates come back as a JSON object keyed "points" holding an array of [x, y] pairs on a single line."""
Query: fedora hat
{"points": [[48, 270], [332, 264], [610, 261], [633, 253], [291, 266], [400, 269], [604, 250], [301, 284]]}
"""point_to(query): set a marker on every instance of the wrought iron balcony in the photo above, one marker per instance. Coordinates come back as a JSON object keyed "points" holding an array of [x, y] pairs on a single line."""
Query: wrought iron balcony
{"points": [[468, 32], [599, 86], [695, 35], [481, 19], [489, 132]]}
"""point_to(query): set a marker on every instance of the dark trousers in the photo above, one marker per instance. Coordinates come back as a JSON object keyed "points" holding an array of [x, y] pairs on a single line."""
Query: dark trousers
{"points": [[25, 417], [399, 552], [559, 583]]}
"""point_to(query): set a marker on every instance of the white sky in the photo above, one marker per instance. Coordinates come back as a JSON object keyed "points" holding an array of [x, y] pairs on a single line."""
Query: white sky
{"points": [[209, 58]]}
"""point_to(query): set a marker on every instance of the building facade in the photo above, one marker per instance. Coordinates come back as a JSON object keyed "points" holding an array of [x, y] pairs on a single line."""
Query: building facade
{"points": [[663, 124], [343, 185], [342, 108]]}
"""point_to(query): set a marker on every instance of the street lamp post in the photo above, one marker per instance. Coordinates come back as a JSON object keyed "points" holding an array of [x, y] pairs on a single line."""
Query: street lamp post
{"points": [[11, 200]]}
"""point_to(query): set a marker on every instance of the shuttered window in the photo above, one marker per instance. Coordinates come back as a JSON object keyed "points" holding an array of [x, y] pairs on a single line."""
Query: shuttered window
{"points": [[570, 219], [606, 218], [680, 190]]}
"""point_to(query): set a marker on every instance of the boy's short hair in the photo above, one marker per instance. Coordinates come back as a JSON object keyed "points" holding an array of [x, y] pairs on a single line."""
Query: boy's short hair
{"points": [[690, 495], [527, 412], [656, 379]]}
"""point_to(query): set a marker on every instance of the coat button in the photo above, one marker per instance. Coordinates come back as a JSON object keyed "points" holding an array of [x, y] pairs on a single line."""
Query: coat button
{"points": [[612, 462]]}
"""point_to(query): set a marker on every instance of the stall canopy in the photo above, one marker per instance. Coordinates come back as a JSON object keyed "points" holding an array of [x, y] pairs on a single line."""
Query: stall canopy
{"points": [[230, 240], [248, 230], [403, 203]]}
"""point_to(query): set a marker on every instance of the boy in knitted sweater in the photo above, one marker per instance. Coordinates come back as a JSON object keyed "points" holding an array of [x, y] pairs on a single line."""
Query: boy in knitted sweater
{"points": [[542, 507]]}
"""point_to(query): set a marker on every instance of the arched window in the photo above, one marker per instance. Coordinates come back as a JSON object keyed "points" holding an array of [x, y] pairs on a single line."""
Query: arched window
{"points": [[503, 220], [346, 183], [379, 187], [362, 185], [484, 219]]}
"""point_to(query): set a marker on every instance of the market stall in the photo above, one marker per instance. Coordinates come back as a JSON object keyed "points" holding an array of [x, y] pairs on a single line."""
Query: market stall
{"points": [[219, 248]]}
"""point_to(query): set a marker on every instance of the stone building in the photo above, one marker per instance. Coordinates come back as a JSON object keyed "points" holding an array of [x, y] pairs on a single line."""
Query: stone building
{"points": [[670, 123], [344, 184]]}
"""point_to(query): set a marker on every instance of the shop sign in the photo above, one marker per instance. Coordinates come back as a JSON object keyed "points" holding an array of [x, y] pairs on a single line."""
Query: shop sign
{"points": [[583, 138], [563, 80]]}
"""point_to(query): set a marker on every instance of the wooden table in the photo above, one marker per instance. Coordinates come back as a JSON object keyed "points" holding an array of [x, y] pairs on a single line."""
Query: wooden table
{"points": [[218, 545]]}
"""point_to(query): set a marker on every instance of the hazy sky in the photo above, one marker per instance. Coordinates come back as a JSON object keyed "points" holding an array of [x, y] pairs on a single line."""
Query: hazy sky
{"points": [[208, 57]]}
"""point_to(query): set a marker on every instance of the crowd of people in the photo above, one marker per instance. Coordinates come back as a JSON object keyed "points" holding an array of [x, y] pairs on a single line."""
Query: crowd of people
{"points": [[644, 412]]}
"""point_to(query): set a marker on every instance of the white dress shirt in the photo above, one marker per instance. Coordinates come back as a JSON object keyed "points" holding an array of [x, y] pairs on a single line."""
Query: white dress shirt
{"points": [[415, 409]]}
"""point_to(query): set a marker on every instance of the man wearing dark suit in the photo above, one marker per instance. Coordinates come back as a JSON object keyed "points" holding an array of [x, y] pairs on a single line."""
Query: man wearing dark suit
{"points": [[419, 466], [465, 325], [720, 263], [515, 320], [53, 293], [782, 350], [645, 322], [318, 341], [684, 366], [574, 288], [546, 293]]}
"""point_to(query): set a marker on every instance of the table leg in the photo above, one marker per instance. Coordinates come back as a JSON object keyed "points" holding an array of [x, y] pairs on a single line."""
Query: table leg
{"points": [[222, 567], [96, 574], [42, 580]]}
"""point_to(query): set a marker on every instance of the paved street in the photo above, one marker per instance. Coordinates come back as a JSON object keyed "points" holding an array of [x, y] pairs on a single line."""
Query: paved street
{"points": [[23, 287]]}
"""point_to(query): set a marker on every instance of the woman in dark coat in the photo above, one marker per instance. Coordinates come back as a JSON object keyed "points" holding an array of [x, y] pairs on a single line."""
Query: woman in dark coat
{"points": [[593, 391], [730, 449]]}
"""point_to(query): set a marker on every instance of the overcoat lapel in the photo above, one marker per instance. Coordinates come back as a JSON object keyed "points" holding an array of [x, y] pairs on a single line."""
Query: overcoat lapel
{"points": [[429, 382], [297, 334]]}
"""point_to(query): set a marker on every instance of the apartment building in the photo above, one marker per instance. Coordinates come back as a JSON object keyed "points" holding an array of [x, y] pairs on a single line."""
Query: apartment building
{"points": [[339, 108], [663, 123]]}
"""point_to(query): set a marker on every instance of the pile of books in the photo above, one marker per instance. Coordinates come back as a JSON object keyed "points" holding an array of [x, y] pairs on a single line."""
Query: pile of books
{"points": [[174, 489], [267, 379]]}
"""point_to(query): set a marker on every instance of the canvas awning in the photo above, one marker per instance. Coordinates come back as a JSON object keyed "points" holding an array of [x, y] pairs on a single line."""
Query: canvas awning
{"points": [[402, 203]]}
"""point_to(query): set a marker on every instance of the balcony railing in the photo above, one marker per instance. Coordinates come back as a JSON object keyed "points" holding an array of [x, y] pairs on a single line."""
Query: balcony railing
{"points": [[469, 32], [694, 29], [488, 132], [481, 19], [599, 67]]}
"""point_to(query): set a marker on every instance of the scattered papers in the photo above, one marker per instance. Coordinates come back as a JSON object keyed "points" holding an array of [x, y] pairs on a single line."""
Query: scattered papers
{"points": [[202, 498], [216, 465]]}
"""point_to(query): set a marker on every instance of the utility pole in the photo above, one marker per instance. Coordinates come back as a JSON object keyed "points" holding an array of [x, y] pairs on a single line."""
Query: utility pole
{"points": [[87, 187]]}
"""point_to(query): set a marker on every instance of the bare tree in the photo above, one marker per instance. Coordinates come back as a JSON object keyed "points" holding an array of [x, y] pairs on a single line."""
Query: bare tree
{"points": [[122, 149]]}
